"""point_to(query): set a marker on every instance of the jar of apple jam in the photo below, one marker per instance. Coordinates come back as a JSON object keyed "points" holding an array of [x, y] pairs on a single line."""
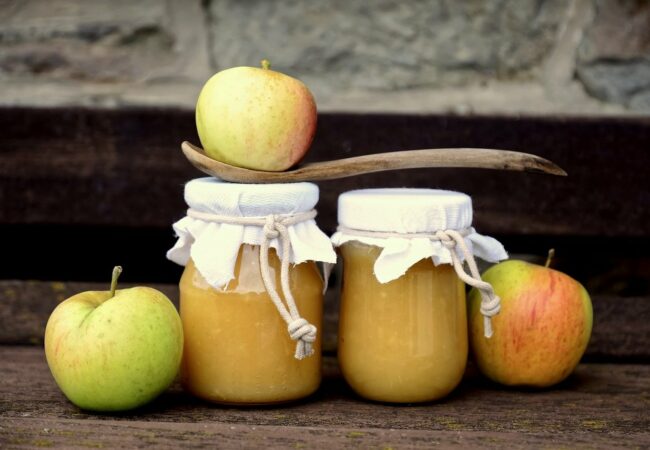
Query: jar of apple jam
{"points": [[251, 295], [403, 321]]}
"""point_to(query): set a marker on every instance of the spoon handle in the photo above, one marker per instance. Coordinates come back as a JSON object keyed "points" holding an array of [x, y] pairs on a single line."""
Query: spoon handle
{"points": [[428, 158], [378, 162]]}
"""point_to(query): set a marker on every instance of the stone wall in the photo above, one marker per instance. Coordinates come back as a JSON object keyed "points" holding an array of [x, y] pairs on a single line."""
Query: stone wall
{"points": [[473, 56]]}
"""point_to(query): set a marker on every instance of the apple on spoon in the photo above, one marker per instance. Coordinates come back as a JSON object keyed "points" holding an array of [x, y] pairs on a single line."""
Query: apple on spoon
{"points": [[114, 350], [256, 118], [255, 123]]}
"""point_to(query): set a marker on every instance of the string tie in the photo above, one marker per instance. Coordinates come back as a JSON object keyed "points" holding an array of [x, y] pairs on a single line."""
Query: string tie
{"points": [[275, 226], [454, 241]]}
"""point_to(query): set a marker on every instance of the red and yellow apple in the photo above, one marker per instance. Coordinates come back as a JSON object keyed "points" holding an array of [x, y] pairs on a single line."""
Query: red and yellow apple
{"points": [[256, 118], [114, 350], [542, 330]]}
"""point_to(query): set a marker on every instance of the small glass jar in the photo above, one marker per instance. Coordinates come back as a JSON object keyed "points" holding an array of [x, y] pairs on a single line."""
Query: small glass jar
{"points": [[237, 346], [403, 320], [405, 340]]}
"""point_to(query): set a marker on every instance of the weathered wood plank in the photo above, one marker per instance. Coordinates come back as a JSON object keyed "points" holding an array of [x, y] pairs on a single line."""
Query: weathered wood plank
{"points": [[83, 434], [620, 329], [76, 166], [600, 406]]}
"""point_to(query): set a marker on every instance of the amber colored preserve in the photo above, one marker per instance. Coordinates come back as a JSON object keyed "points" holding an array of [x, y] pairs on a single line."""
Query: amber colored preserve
{"points": [[406, 340], [237, 349]]}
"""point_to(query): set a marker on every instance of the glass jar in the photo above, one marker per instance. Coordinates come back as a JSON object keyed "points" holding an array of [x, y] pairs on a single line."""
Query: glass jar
{"points": [[403, 320], [238, 349], [236, 346], [405, 340]]}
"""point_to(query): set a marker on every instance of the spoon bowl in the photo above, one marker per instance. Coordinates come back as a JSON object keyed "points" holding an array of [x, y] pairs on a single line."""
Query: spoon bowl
{"points": [[347, 167]]}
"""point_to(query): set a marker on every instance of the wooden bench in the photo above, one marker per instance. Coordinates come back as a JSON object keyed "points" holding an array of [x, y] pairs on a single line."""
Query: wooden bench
{"points": [[83, 190]]}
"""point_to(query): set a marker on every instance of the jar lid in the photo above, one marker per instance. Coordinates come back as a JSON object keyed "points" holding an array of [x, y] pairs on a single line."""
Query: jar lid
{"points": [[249, 200], [403, 222], [405, 210], [218, 224]]}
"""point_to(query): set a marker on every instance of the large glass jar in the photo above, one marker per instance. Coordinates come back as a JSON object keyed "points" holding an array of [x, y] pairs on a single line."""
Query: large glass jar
{"points": [[403, 319], [237, 349], [251, 296]]}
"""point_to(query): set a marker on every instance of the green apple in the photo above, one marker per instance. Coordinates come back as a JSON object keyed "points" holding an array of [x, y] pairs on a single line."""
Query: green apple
{"points": [[542, 330], [256, 118], [114, 350]]}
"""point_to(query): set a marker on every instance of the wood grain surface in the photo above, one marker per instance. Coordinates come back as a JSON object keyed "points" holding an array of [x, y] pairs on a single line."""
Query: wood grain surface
{"points": [[600, 406], [620, 333], [82, 190]]}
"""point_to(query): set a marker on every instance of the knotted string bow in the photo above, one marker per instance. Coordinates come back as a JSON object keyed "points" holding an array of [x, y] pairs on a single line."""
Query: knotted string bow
{"points": [[453, 241], [275, 226]]}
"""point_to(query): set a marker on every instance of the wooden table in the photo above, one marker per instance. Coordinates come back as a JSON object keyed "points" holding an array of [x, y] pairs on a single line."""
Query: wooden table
{"points": [[83, 190], [600, 406]]}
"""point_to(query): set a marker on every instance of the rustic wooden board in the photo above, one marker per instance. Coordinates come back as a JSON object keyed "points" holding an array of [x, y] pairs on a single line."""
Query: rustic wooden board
{"points": [[621, 330], [600, 406], [83, 434], [98, 167], [88, 253]]}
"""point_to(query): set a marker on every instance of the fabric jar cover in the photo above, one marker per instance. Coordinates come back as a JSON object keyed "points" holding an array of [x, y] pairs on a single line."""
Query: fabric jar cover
{"points": [[415, 213], [214, 246]]}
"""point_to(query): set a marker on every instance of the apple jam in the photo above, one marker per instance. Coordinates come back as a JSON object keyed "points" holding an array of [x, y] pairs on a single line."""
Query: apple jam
{"points": [[402, 341], [403, 319], [251, 319], [237, 349]]}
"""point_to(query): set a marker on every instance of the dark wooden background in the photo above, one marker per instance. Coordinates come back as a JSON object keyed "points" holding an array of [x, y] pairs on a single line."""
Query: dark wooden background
{"points": [[83, 190], [107, 170]]}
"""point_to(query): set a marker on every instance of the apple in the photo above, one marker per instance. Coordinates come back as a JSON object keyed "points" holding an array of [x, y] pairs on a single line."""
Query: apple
{"points": [[114, 350], [542, 330], [256, 118]]}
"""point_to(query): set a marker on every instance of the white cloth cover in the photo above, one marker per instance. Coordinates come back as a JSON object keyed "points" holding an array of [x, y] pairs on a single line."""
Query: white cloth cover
{"points": [[214, 246], [406, 211]]}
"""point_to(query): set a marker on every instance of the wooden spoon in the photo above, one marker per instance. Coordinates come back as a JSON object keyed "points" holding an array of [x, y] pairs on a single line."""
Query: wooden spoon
{"points": [[407, 159]]}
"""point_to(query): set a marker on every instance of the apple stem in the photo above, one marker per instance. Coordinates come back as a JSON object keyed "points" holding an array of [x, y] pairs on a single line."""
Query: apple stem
{"points": [[551, 254], [117, 270], [266, 64]]}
